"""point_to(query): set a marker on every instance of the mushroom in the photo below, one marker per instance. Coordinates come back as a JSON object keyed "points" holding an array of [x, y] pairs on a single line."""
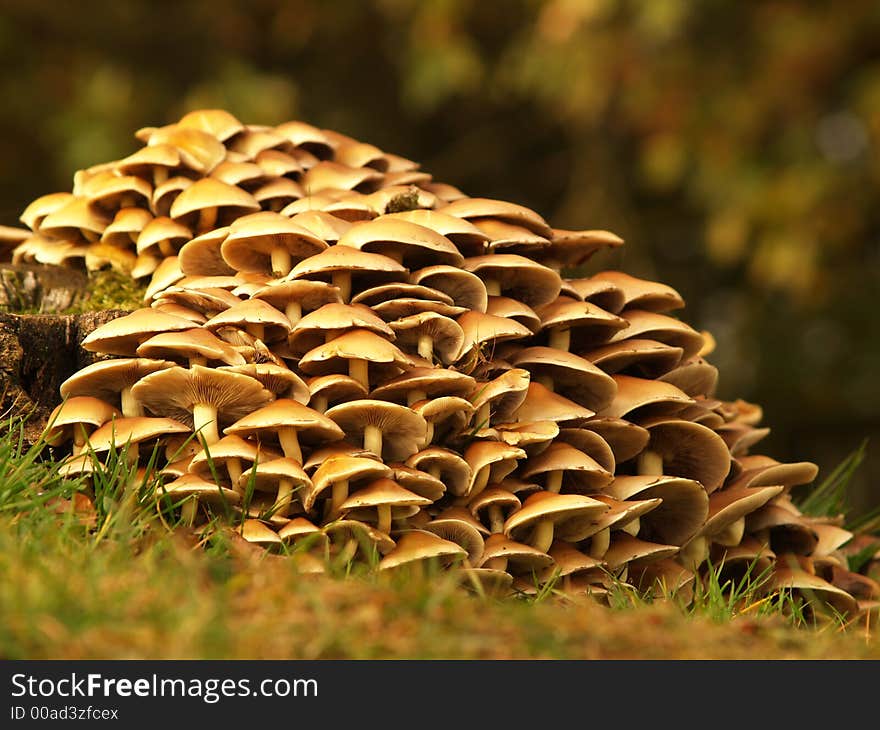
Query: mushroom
{"points": [[569, 321], [200, 396], [255, 316], [407, 243], [197, 346], [465, 288], [331, 320], [493, 506], [431, 335], [356, 353], [574, 248], [467, 237], [284, 476], [472, 209], [229, 453], [123, 335], [565, 373], [161, 237], [543, 512], [193, 490], [389, 430], [420, 383], [349, 269], [289, 422], [269, 244], [650, 296], [516, 276], [561, 464], [111, 381], [502, 553], [490, 462], [296, 296], [75, 419], [389, 500], [337, 474], [200, 205], [443, 464], [418, 546]]}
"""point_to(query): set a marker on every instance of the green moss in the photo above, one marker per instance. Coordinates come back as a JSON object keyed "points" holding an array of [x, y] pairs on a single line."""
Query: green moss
{"points": [[403, 202], [109, 289]]}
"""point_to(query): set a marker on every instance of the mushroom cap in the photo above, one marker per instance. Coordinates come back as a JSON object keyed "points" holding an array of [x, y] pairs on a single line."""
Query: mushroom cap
{"points": [[310, 295], [602, 293], [520, 278], [452, 470], [192, 485], [70, 219], [759, 471], [662, 328], [331, 320], [617, 516], [695, 377], [573, 376], [227, 448], [691, 450], [217, 122], [505, 393], [184, 344], [253, 312], [417, 545], [682, 511], [199, 150], [581, 473], [647, 397], [652, 296], [480, 328], [311, 426], [381, 492], [164, 275], [635, 356], [625, 439], [266, 475], [465, 235], [728, 505], [158, 229], [105, 379], [566, 511], [521, 558], [120, 431], [258, 532], [373, 267], [343, 468], [209, 192], [414, 244], [281, 380], [127, 225], [328, 175], [123, 335], [463, 287], [201, 256], [447, 336], [382, 294], [625, 548], [301, 529], [573, 248], [589, 323], [461, 532], [429, 381], [403, 430], [82, 409], [175, 391], [812, 588], [512, 309], [251, 241], [471, 208], [569, 561], [357, 344], [591, 443], [324, 225], [335, 387], [500, 457], [493, 496], [36, 211], [542, 404], [510, 238]]}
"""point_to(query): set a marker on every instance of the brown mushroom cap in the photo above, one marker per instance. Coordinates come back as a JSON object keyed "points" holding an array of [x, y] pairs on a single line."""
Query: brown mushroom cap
{"points": [[412, 244], [123, 335], [517, 277], [121, 431], [517, 557], [692, 451], [268, 244], [662, 328], [471, 208], [543, 404], [195, 344], [107, 379], [324, 225], [256, 316], [445, 465], [463, 287], [419, 545], [268, 420], [482, 332], [327, 390], [330, 321], [575, 470], [355, 345], [192, 485], [572, 376], [645, 397], [217, 122], [350, 269], [625, 439], [343, 468], [201, 256], [279, 379], [461, 532], [651, 296], [418, 383], [639, 357], [84, 410], [574, 248], [467, 238], [601, 293], [572, 323], [625, 548], [402, 430], [296, 296], [429, 334], [199, 150]]}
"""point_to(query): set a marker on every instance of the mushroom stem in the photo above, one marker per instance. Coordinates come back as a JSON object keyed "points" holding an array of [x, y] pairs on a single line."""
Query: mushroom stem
{"points": [[731, 535], [426, 347], [499, 563], [207, 219], [348, 551], [554, 481], [542, 537], [342, 280], [546, 381], [694, 553], [338, 496], [632, 527], [289, 441], [480, 481], [282, 499], [414, 396], [650, 463], [233, 468], [359, 370], [205, 422], [197, 360], [80, 438], [600, 543], [189, 510], [373, 440], [429, 433], [560, 338], [160, 175], [256, 329], [383, 522], [493, 287], [280, 261], [131, 406], [483, 417], [293, 311], [496, 518], [166, 248], [319, 403]]}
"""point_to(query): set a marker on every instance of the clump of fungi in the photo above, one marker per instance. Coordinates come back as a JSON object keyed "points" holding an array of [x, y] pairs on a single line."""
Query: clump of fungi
{"points": [[364, 363]]}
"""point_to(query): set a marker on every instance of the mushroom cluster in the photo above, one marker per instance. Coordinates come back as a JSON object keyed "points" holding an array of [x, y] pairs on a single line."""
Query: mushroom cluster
{"points": [[357, 361]]}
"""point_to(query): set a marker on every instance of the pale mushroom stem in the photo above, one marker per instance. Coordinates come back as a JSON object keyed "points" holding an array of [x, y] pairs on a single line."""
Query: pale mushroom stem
{"points": [[496, 518], [542, 537], [496, 563], [650, 463], [342, 280], [289, 441], [560, 338], [90, 236], [281, 261], [167, 248], [482, 419], [257, 330], [554, 481], [131, 406], [632, 527], [383, 523], [414, 396], [207, 219], [600, 543], [731, 535], [373, 440], [283, 498], [429, 433], [359, 370], [293, 311], [197, 360], [319, 403], [337, 497], [493, 287], [233, 468], [80, 438], [480, 481], [349, 550], [189, 510], [694, 553], [205, 422], [546, 381], [160, 175], [426, 347]]}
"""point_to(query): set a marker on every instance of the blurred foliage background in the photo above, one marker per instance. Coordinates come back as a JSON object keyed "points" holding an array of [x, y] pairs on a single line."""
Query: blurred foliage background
{"points": [[735, 146]]}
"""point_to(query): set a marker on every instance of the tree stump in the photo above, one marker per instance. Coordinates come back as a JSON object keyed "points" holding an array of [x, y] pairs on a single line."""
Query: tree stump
{"points": [[39, 288]]}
